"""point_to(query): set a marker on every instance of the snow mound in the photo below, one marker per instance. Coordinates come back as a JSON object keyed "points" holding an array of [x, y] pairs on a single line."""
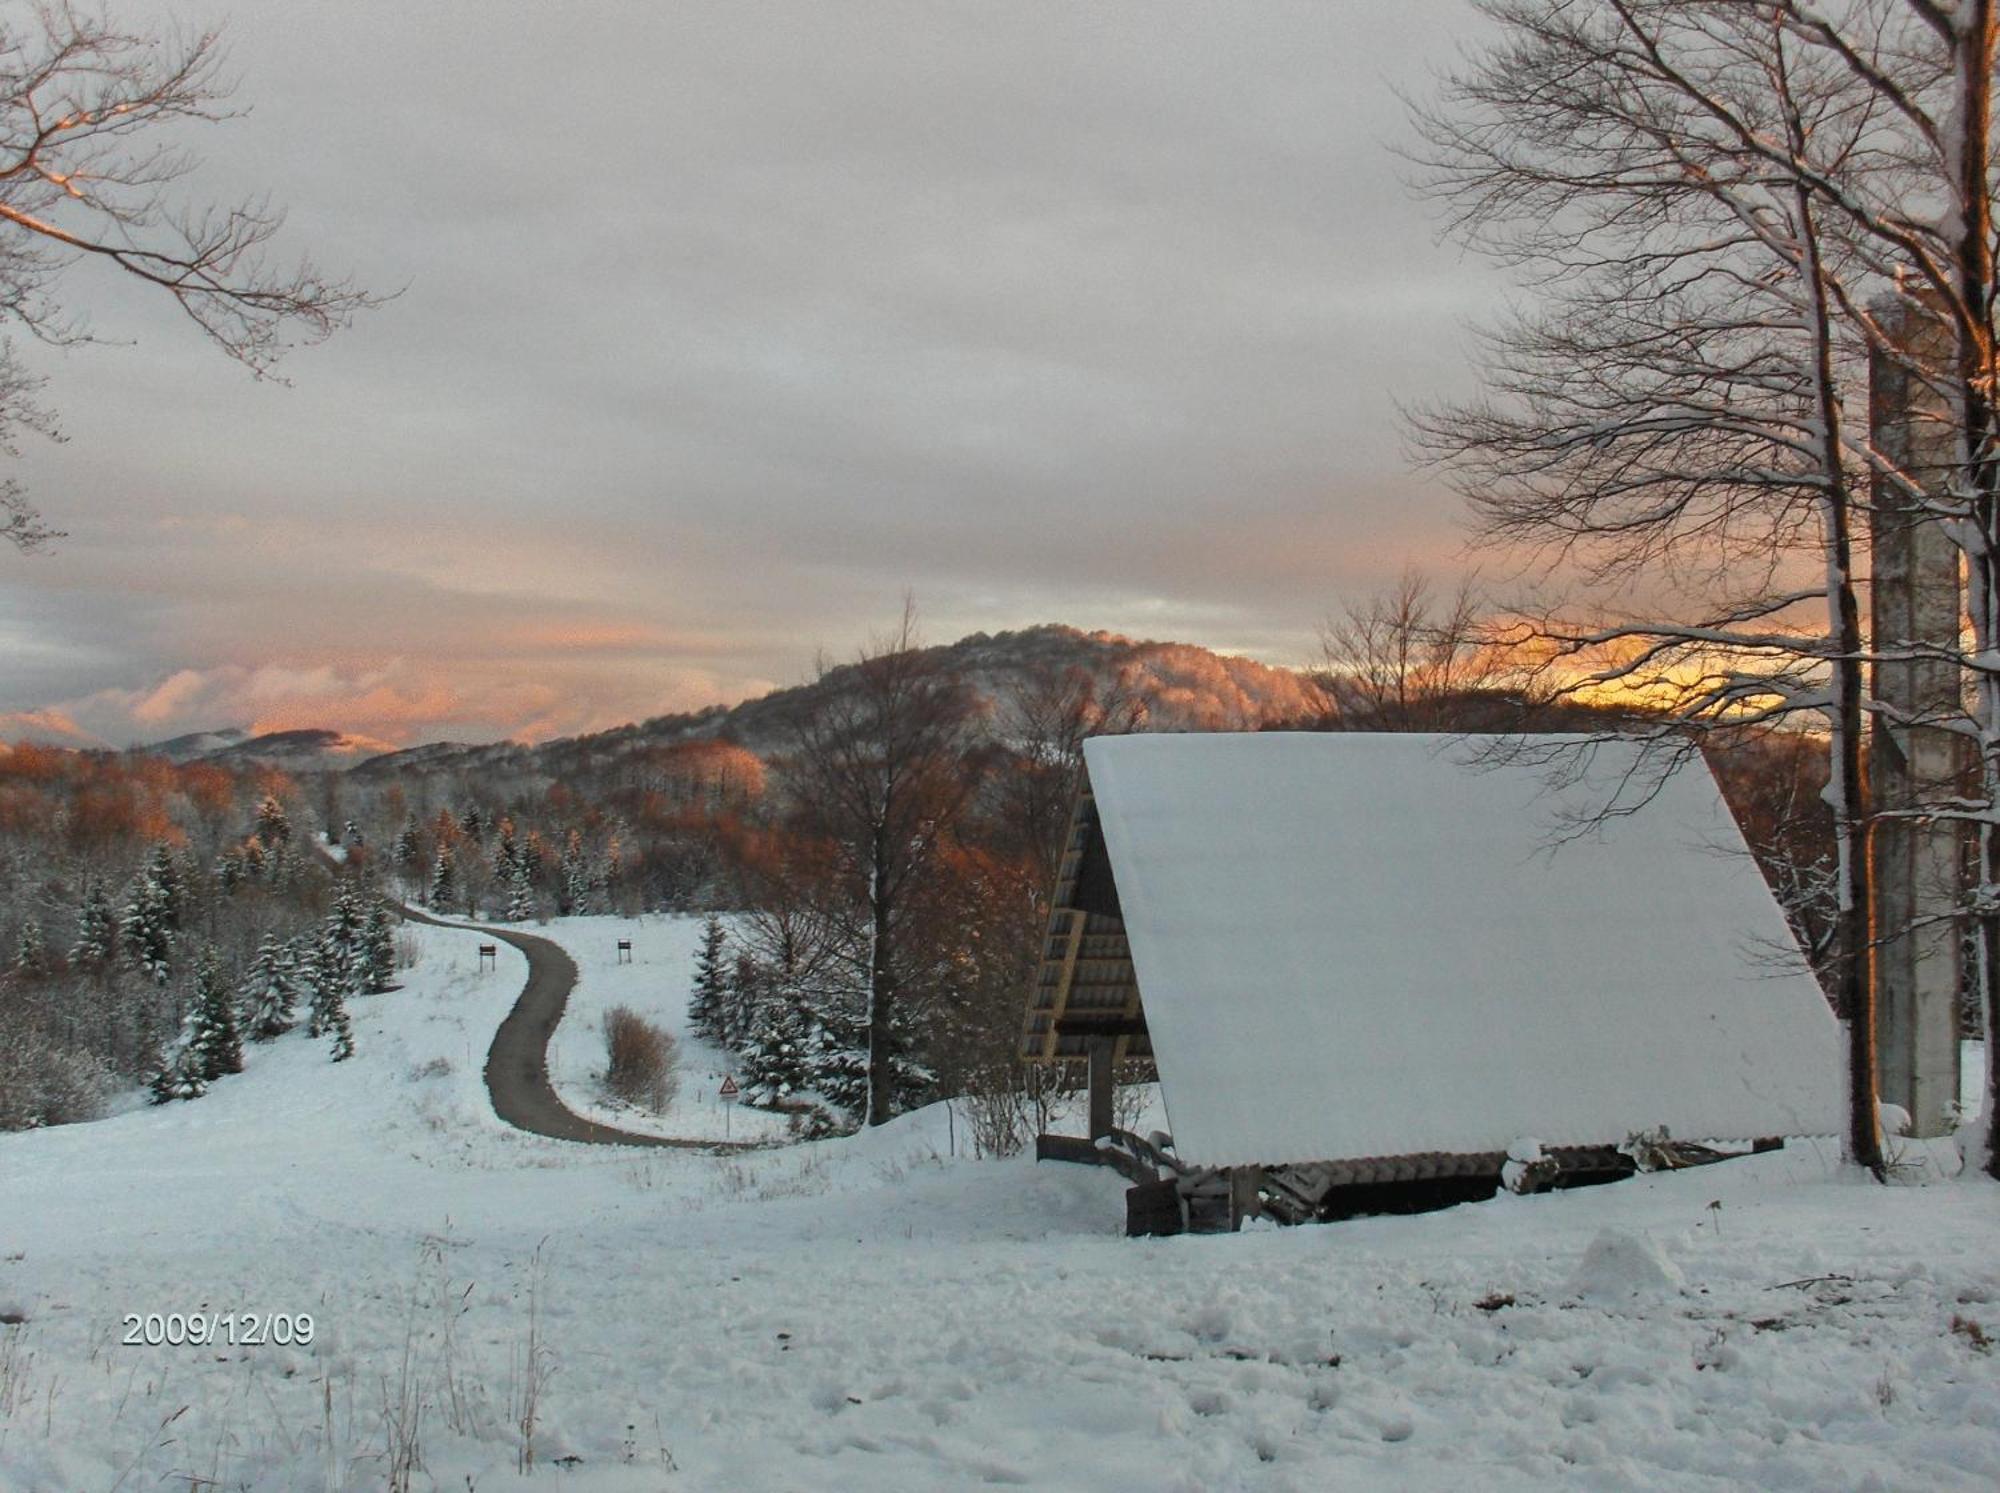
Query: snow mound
{"points": [[1620, 1267]]}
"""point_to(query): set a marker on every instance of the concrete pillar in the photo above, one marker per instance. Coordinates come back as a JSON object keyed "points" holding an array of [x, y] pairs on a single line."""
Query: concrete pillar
{"points": [[1918, 867]]}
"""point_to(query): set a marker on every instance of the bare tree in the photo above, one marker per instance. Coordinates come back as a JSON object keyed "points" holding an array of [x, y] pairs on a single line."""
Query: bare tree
{"points": [[880, 767], [88, 114], [1407, 660], [1695, 191], [1051, 713]]}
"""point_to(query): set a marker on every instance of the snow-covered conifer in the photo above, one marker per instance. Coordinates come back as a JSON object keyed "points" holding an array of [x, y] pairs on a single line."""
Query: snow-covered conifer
{"points": [[274, 826], [336, 1022], [378, 948], [778, 1054], [146, 928], [31, 954], [521, 904], [574, 897], [404, 851], [711, 981], [96, 929], [178, 1078], [269, 991], [214, 1046], [444, 880]]}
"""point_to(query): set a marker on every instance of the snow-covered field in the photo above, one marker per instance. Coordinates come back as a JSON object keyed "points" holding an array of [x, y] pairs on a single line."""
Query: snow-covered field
{"points": [[872, 1314], [656, 983]]}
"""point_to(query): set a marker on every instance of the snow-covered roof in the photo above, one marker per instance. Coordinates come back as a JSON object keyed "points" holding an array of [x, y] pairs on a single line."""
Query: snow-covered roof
{"points": [[1358, 945]]}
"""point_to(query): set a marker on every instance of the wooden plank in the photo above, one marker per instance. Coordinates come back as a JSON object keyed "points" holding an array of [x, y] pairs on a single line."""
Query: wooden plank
{"points": [[1153, 1210]]}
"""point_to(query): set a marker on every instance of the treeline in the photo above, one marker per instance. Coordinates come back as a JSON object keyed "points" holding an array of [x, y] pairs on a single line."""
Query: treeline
{"points": [[143, 908]]}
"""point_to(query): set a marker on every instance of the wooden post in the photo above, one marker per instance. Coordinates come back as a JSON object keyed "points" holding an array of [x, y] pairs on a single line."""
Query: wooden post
{"points": [[1100, 1049]]}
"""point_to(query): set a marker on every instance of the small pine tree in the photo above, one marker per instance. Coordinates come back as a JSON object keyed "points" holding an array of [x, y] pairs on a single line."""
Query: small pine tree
{"points": [[521, 904], [378, 948], [96, 929], [214, 1046], [270, 991], [31, 955], [711, 981], [274, 826], [740, 1001], [145, 931], [318, 983], [574, 897], [404, 851], [177, 1079], [444, 881], [778, 1054], [229, 870], [343, 1031]]}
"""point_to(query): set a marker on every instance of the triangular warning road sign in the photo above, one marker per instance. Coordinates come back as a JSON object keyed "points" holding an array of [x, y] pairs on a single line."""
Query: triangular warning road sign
{"points": [[728, 1089]]}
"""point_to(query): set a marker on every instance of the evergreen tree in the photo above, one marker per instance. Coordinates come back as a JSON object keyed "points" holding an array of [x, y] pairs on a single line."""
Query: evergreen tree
{"points": [[521, 904], [778, 1055], [343, 1031], [444, 881], [214, 1046], [711, 981], [145, 930], [96, 930], [230, 870], [404, 851], [178, 1078], [31, 956], [274, 826], [737, 1014], [269, 991], [378, 949], [319, 983], [574, 897]]}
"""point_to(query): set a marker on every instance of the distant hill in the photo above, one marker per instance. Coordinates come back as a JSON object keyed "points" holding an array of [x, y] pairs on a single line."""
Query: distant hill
{"points": [[310, 750], [1186, 688]]}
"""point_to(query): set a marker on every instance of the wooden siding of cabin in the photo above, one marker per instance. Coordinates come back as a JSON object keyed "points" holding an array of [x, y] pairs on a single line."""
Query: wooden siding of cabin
{"points": [[1086, 976]]}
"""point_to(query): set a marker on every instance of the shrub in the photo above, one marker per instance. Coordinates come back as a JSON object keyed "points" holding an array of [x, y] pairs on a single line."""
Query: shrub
{"points": [[46, 1082], [644, 1064]]}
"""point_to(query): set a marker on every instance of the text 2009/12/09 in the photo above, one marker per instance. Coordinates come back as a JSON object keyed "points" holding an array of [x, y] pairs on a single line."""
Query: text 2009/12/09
{"points": [[216, 1329]]}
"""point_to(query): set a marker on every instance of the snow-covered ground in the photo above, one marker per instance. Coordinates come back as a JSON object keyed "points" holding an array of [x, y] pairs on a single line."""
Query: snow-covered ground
{"points": [[870, 1313], [656, 983]]}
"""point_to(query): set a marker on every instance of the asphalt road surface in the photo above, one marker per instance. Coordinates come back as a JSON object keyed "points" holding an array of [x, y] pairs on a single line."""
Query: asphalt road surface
{"points": [[517, 1064]]}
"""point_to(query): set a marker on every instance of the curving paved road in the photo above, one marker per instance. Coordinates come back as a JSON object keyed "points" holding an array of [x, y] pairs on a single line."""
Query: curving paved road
{"points": [[517, 1064]]}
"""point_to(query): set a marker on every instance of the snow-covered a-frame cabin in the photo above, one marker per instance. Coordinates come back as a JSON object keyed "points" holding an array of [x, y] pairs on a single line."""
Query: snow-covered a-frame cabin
{"points": [[1369, 967]]}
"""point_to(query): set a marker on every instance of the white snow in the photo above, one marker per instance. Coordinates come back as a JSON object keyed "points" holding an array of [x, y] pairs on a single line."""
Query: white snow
{"points": [[656, 983], [1620, 1268], [1358, 945], [868, 1313]]}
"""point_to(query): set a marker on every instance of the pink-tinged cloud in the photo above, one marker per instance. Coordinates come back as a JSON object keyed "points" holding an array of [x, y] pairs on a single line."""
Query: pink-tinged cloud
{"points": [[395, 703]]}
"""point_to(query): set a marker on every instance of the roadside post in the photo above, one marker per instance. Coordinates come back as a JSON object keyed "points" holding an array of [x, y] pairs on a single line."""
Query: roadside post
{"points": [[728, 1094]]}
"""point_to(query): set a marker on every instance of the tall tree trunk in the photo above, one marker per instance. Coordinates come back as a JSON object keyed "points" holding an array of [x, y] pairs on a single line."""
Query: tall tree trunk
{"points": [[881, 991], [1977, 34]]}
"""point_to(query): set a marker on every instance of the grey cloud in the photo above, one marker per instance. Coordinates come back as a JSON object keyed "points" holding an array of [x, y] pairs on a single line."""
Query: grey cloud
{"points": [[725, 322]]}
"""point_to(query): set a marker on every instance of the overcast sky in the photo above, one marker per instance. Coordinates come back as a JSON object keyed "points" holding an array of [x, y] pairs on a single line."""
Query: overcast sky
{"points": [[722, 325]]}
